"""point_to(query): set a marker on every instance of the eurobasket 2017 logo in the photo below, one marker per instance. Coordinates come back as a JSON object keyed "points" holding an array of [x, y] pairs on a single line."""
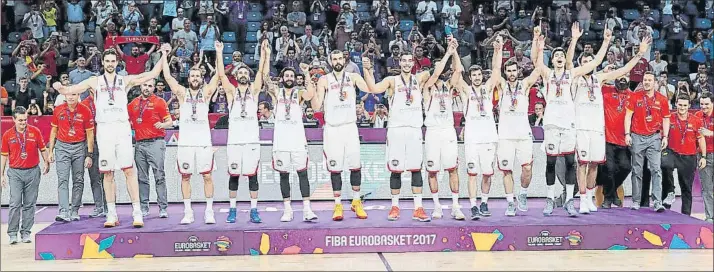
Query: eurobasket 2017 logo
{"points": [[544, 239], [223, 243], [574, 238], [192, 245]]}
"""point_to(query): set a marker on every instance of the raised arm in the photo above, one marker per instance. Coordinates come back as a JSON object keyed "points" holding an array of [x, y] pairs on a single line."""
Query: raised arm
{"points": [[76, 88], [591, 66], [135, 80], [537, 55], [429, 80], [263, 66], [644, 45], [373, 87], [221, 74], [175, 87], [538, 63], [576, 34], [457, 78], [310, 94], [497, 62]]}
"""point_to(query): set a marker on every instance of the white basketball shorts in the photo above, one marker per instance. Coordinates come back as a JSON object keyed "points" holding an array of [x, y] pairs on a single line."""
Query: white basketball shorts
{"points": [[441, 149], [114, 145], [590, 146], [243, 159], [558, 141], [341, 147], [195, 158], [284, 161], [404, 149], [511, 151], [479, 158]]}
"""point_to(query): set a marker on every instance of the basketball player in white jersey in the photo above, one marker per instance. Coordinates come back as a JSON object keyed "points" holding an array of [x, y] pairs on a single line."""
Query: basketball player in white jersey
{"points": [[441, 141], [289, 142], [559, 119], [114, 130], [195, 149], [480, 135], [341, 138], [590, 122], [404, 134]]}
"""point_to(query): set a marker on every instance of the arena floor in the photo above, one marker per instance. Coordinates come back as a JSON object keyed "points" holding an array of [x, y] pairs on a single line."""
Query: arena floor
{"points": [[21, 257]]}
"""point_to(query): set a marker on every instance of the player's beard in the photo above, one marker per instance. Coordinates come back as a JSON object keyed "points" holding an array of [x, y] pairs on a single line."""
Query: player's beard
{"points": [[512, 78], [477, 83], [146, 93], [243, 80], [289, 83], [195, 84], [109, 69], [338, 67], [622, 84]]}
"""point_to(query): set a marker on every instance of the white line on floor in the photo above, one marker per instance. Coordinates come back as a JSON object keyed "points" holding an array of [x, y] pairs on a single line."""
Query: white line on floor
{"points": [[38, 211]]}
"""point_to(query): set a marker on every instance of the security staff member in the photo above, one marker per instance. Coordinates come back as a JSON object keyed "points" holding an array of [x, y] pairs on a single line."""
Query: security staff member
{"points": [[71, 147], [149, 116], [95, 177], [684, 136], [21, 146], [706, 173]]}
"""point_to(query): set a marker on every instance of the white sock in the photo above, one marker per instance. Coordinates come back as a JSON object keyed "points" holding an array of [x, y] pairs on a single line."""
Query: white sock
{"points": [[112, 208], [524, 191], [509, 197], [472, 201], [356, 195], [583, 198], [306, 205], [590, 193], [253, 203], [569, 189], [417, 201], [395, 201], [338, 200], [209, 204], [551, 191], [233, 203], [187, 205], [455, 199], [484, 197], [286, 203], [136, 207], [435, 197]]}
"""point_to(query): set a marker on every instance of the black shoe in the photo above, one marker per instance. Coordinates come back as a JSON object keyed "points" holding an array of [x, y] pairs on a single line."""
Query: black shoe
{"points": [[617, 202], [606, 204], [484, 209], [475, 213]]}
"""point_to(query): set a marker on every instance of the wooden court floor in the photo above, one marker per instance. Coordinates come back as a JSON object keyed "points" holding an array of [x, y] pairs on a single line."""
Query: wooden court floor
{"points": [[20, 257]]}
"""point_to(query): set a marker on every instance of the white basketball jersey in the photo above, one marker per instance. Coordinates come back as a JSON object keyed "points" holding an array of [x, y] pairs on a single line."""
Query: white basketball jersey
{"points": [[560, 109], [111, 100], [513, 113], [480, 124], [194, 129], [243, 125], [439, 111], [340, 104], [589, 109], [289, 133], [405, 106]]}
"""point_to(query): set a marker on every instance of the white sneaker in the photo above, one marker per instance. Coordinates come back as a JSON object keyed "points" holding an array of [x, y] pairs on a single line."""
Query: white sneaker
{"points": [[437, 213], [138, 219], [584, 207], [187, 217], [456, 213], [208, 217], [591, 205], [308, 216], [287, 216], [112, 220]]}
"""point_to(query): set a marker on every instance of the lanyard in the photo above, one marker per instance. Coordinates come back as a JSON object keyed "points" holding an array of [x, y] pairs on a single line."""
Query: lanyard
{"points": [[110, 90], [409, 89], [648, 108], [287, 103], [71, 117], [591, 89], [479, 97], [142, 106], [514, 95], [683, 129], [620, 102], [241, 98], [343, 95], [22, 142], [558, 92], [194, 100]]}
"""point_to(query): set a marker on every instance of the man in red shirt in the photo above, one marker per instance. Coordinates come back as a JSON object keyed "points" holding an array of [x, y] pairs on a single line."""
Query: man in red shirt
{"points": [[646, 120], [617, 155], [73, 130], [685, 135], [637, 73], [21, 147], [95, 177], [136, 62], [149, 116], [706, 172]]}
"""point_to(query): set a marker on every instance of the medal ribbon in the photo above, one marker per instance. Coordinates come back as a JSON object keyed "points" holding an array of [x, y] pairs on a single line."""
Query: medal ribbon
{"points": [[683, 129], [514, 95], [409, 89], [110, 90], [478, 97], [591, 87], [620, 102], [71, 117], [287, 103], [194, 100], [23, 142], [647, 106], [241, 98], [557, 84], [444, 91], [341, 83], [142, 106]]}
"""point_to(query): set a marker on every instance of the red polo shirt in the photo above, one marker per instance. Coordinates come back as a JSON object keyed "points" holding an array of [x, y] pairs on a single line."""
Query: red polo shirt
{"points": [[89, 103], [135, 65], [614, 105], [708, 123], [683, 134], [657, 107], [12, 147], [638, 72], [80, 120], [151, 110], [533, 99]]}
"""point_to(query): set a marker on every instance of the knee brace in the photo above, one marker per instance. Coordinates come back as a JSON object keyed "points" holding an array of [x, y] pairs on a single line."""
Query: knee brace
{"points": [[395, 181], [570, 169], [304, 183], [285, 184], [233, 183], [356, 178], [336, 179], [417, 180], [550, 170], [252, 183]]}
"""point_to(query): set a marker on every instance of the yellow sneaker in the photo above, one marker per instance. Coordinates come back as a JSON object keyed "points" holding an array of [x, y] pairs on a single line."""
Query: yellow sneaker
{"points": [[358, 209], [337, 215]]}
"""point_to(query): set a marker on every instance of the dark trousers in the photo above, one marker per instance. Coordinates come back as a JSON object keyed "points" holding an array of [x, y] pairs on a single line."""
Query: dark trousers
{"points": [[615, 169], [685, 165]]}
